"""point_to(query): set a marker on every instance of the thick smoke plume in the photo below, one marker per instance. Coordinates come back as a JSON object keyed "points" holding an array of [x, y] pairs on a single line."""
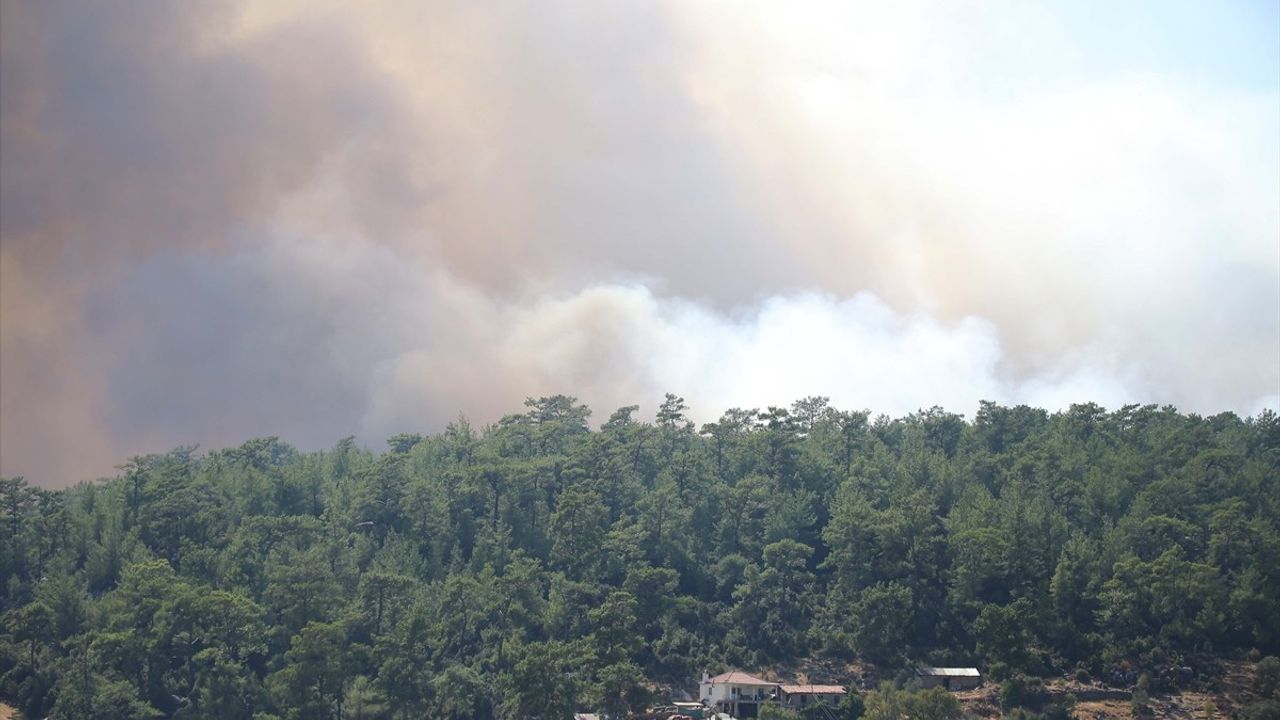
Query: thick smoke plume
{"points": [[222, 220]]}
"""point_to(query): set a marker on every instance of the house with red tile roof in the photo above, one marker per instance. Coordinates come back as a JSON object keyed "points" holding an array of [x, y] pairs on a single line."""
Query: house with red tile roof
{"points": [[741, 695], [737, 693]]}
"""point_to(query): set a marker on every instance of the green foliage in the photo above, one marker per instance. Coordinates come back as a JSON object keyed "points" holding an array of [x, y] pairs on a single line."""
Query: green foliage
{"points": [[774, 600], [1003, 635], [1013, 692], [889, 703], [1140, 704], [313, 681], [534, 567], [777, 712], [548, 681], [852, 707], [1262, 710], [879, 625], [1061, 710], [1266, 676]]}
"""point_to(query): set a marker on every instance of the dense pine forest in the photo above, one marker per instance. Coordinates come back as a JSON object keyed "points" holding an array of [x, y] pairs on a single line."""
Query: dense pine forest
{"points": [[537, 566]]}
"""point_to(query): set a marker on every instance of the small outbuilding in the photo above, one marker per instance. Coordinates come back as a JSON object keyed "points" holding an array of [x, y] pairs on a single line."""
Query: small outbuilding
{"points": [[949, 678], [694, 710], [801, 696]]}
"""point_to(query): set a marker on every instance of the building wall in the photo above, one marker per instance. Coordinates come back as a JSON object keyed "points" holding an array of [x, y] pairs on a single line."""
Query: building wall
{"points": [[804, 700], [723, 692], [950, 683], [964, 683]]}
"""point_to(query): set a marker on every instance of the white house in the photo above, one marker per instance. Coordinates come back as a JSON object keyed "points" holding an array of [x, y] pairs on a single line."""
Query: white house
{"points": [[737, 693]]}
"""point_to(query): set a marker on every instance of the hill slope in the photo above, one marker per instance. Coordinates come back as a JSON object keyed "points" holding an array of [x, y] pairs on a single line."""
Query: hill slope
{"points": [[537, 566]]}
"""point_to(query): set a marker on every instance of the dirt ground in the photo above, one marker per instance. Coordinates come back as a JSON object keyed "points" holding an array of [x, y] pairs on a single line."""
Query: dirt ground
{"points": [[1183, 706], [1232, 691]]}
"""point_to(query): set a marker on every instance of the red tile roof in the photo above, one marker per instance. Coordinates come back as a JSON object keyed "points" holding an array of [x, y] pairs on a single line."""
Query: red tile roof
{"points": [[740, 678]]}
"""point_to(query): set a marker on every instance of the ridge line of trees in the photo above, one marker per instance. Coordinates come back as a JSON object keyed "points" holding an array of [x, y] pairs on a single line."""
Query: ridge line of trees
{"points": [[537, 567]]}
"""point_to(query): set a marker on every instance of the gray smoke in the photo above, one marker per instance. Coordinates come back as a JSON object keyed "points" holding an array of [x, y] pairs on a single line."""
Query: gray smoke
{"points": [[220, 221]]}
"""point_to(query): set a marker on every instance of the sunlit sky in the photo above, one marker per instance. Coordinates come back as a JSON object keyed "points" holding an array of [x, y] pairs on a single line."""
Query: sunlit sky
{"points": [[221, 221]]}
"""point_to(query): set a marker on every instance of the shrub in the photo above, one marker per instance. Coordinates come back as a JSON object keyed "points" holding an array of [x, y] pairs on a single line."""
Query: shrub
{"points": [[1061, 710], [775, 712], [1266, 676], [889, 703], [1141, 703], [852, 707], [1264, 710], [1144, 682], [1013, 692]]}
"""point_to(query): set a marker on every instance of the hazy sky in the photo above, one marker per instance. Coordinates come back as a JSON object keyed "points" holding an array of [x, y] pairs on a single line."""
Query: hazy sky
{"points": [[314, 219]]}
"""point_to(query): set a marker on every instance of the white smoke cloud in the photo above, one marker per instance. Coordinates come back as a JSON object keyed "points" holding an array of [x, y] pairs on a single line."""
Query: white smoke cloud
{"points": [[954, 161], [430, 347], [212, 230]]}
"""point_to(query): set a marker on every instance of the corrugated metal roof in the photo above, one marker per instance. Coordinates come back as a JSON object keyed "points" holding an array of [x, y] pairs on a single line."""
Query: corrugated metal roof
{"points": [[948, 672], [739, 678]]}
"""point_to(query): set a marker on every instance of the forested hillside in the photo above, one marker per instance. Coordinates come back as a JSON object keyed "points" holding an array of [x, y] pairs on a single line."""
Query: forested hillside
{"points": [[536, 567]]}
